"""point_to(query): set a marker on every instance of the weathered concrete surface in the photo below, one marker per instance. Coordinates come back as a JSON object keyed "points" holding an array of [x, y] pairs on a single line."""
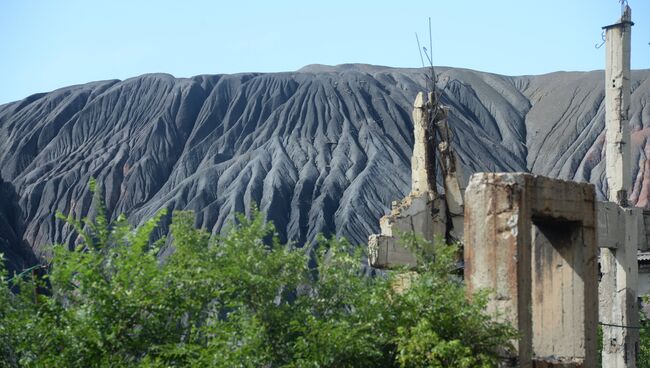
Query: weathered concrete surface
{"points": [[419, 214], [611, 225], [618, 226], [423, 157], [621, 233], [618, 304], [532, 240], [617, 107], [618, 287]]}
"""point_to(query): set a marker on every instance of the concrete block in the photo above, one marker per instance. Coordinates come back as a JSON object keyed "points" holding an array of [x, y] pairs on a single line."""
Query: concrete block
{"points": [[616, 225]]}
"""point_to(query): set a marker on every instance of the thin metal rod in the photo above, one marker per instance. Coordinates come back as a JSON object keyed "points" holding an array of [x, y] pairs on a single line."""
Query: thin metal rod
{"points": [[430, 43], [430, 57], [419, 48]]}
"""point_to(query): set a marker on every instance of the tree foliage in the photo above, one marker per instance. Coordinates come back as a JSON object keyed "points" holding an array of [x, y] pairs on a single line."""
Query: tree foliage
{"points": [[643, 360], [237, 300]]}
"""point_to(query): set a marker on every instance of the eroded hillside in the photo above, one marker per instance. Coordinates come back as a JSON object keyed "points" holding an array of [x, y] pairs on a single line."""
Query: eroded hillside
{"points": [[324, 149]]}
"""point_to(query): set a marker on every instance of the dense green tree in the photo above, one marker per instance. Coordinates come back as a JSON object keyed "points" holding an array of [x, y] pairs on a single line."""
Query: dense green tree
{"points": [[237, 300]]}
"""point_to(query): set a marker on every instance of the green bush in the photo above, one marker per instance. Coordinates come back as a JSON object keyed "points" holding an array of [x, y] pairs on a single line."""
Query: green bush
{"points": [[237, 300], [644, 341]]}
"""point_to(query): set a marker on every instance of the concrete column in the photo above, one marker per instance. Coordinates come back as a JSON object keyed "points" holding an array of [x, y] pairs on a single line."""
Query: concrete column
{"points": [[618, 304], [617, 105], [423, 160]]}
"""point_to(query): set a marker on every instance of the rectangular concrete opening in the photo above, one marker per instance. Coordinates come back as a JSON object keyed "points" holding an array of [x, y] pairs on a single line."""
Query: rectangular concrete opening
{"points": [[558, 289]]}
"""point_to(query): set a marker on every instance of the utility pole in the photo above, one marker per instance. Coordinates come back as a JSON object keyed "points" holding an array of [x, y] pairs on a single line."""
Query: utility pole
{"points": [[619, 267]]}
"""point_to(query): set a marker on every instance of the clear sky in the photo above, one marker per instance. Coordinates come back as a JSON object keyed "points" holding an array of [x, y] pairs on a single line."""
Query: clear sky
{"points": [[45, 45]]}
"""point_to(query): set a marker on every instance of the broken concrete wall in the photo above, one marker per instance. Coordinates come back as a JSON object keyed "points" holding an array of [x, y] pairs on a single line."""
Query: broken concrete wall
{"points": [[423, 212], [532, 240], [419, 214]]}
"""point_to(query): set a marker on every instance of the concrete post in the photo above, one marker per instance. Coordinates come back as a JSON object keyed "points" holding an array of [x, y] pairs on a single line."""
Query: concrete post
{"points": [[617, 105], [618, 305]]}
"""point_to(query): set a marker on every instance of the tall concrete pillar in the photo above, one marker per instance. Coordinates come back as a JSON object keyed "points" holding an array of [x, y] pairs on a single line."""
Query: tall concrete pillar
{"points": [[617, 105], [423, 178], [618, 265]]}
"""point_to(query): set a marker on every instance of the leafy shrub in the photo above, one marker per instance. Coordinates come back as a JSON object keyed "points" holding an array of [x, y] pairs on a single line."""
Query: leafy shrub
{"points": [[237, 300], [643, 360]]}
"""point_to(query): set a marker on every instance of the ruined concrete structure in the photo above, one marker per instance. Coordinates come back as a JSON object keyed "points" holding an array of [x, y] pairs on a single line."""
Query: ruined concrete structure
{"points": [[423, 212], [621, 233], [537, 242], [532, 240]]}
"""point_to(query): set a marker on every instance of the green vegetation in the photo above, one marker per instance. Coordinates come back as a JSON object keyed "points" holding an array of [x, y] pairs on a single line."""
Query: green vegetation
{"points": [[644, 342], [237, 300]]}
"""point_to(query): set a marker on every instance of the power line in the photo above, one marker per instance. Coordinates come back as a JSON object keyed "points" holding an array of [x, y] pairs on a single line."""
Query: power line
{"points": [[622, 326]]}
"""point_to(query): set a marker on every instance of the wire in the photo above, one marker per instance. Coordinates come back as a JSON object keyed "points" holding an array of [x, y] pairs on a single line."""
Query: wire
{"points": [[419, 48], [602, 35], [622, 326]]}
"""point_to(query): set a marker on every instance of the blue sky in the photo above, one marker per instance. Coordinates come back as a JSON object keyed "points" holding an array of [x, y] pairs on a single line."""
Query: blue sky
{"points": [[45, 45]]}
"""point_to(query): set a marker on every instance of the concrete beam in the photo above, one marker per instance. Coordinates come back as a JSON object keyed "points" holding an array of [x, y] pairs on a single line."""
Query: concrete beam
{"points": [[617, 225]]}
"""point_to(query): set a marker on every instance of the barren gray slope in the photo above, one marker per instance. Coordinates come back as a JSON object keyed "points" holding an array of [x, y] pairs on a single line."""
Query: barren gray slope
{"points": [[18, 254], [324, 149]]}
